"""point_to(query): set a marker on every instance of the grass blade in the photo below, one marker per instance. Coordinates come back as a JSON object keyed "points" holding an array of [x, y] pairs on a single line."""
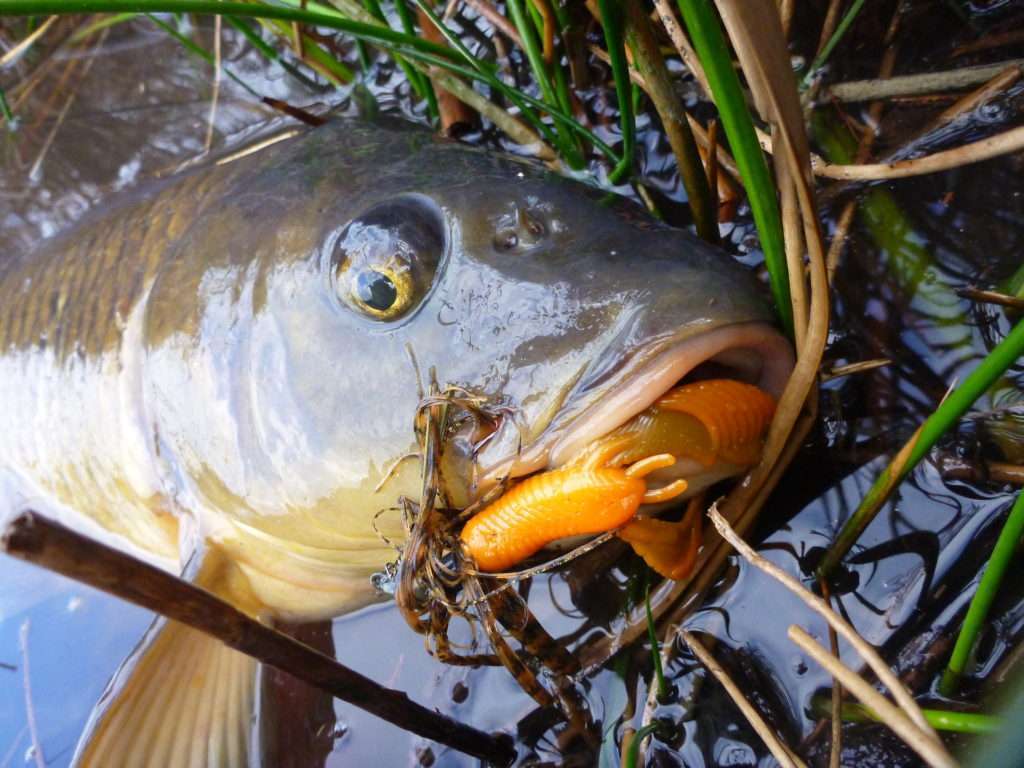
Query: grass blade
{"points": [[940, 719], [648, 61], [709, 41], [821, 58], [314, 13], [612, 22], [632, 756], [652, 635], [1002, 556]]}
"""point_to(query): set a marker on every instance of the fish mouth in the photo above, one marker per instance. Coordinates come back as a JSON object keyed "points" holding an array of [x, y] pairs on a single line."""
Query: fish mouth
{"points": [[754, 352]]}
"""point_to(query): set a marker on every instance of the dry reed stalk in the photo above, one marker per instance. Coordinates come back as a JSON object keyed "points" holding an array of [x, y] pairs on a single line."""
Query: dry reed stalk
{"points": [[847, 632], [932, 751], [916, 85], [779, 750]]}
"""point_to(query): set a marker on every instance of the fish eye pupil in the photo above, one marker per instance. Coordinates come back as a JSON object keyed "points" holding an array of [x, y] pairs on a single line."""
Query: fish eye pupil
{"points": [[376, 290]]}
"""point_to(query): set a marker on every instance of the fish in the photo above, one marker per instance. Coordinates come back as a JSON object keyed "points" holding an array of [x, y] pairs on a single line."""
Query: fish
{"points": [[219, 372]]}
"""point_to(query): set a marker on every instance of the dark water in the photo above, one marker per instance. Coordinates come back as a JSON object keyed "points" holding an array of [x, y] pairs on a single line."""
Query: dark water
{"points": [[911, 574]]}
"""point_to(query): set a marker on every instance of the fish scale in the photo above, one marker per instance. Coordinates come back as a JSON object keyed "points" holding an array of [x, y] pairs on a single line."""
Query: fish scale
{"points": [[61, 333]]}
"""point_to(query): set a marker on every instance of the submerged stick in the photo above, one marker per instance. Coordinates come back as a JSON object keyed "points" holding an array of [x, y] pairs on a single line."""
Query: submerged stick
{"points": [[990, 297], [40, 541]]}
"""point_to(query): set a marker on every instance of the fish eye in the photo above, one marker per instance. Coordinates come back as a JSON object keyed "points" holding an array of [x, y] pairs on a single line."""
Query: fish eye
{"points": [[384, 261]]}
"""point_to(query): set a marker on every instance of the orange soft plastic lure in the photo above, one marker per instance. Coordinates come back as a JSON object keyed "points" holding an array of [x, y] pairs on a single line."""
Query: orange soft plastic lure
{"points": [[722, 420], [734, 414], [586, 496]]}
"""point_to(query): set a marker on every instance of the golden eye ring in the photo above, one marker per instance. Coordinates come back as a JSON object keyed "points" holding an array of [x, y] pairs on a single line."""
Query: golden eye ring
{"points": [[382, 292]]}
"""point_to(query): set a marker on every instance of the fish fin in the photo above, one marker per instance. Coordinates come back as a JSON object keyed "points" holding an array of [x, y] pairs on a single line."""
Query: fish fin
{"points": [[182, 698], [669, 548]]}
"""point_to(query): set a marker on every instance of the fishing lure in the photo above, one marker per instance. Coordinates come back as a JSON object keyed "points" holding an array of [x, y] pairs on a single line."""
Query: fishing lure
{"points": [[603, 488], [587, 496]]}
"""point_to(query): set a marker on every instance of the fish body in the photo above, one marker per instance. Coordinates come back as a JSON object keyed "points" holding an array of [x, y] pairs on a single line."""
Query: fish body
{"points": [[230, 361]]}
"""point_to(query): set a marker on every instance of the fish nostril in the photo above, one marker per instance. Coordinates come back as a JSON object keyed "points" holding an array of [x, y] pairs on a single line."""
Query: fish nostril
{"points": [[506, 240], [533, 225]]}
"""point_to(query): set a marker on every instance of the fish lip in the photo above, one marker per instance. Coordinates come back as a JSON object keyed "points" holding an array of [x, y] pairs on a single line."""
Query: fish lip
{"points": [[641, 382]]}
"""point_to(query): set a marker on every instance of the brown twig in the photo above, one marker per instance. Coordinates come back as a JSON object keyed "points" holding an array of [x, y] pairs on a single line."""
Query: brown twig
{"points": [[867, 141], [497, 20], [23, 45], [978, 97], [548, 32], [836, 749], [786, 10], [990, 297], [682, 44], [989, 42], [33, 538], [850, 369], [1003, 143], [989, 471]]}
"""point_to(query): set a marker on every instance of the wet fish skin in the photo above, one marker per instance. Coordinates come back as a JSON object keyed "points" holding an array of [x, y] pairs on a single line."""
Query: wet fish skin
{"points": [[186, 357]]}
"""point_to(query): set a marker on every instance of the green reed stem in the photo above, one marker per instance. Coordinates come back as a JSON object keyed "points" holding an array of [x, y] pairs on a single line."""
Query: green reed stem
{"points": [[941, 720], [935, 426], [612, 21], [197, 50], [484, 73], [314, 14], [713, 51], [528, 34], [1002, 556], [652, 635], [426, 88], [837, 35], [367, 30], [648, 61], [5, 109], [632, 756], [334, 70]]}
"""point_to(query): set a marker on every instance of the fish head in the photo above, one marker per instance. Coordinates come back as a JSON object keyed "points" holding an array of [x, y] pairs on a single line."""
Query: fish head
{"points": [[346, 270]]}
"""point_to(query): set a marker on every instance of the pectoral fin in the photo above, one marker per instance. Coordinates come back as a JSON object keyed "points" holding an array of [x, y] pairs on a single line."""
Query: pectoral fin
{"points": [[182, 698]]}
